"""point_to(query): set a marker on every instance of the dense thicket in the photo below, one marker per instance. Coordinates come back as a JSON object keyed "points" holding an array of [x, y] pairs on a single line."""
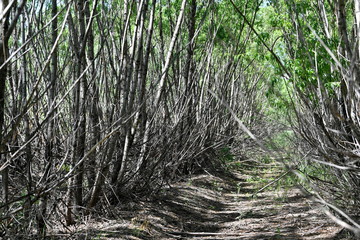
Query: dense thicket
{"points": [[101, 100], [106, 100], [320, 60]]}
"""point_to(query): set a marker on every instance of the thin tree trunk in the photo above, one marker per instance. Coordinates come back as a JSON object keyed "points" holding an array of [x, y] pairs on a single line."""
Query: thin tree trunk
{"points": [[123, 86], [95, 109], [4, 53], [341, 18], [166, 66], [102, 172], [136, 56], [144, 133], [357, 21], [188, 69], [324, 18], [23, 93], [80, 93]]}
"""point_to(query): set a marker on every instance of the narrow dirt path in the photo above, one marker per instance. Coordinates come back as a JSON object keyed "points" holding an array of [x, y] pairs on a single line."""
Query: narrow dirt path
{"points": [[212, 207]]}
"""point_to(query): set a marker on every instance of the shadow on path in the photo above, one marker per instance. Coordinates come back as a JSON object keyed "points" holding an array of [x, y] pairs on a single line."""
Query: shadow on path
{"points": [[213, 207]]}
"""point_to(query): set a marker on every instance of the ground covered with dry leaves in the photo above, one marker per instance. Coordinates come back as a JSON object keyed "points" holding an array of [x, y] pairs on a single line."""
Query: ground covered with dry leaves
{"points": [[214, 206]]}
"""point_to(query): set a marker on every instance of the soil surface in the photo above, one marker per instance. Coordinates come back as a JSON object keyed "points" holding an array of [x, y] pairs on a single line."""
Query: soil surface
{"points": [[213, 207]]}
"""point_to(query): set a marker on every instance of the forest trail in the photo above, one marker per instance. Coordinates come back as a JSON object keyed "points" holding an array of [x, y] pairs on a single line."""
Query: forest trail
{"points": [[214, 207]]}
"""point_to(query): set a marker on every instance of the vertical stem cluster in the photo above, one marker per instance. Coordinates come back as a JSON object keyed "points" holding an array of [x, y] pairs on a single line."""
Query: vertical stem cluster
{"points": [[100, 105]]}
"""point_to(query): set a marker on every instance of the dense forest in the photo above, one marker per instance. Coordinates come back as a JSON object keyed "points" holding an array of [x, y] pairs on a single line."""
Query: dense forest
{"points": [[111, 100]]}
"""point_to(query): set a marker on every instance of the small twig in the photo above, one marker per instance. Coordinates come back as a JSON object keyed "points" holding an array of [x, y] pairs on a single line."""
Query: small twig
{"points": [[271, 183]]}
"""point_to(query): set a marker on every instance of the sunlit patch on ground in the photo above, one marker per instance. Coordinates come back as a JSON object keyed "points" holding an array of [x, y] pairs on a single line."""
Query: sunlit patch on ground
{"points": [[213, 207]]}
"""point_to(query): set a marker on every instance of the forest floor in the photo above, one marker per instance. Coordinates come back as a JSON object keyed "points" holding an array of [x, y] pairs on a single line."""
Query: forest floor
{"points": [[217, 206]]}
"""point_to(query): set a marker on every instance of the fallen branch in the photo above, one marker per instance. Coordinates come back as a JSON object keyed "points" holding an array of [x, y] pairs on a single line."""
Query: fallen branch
{"points": [[271, 183]]}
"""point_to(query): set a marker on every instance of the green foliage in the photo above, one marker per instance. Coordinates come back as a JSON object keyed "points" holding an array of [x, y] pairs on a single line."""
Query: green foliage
{"points": [[284, 139], [317, 171], [217, 186], [65, 167], [289, 180], [225, 155], [257, 179]]}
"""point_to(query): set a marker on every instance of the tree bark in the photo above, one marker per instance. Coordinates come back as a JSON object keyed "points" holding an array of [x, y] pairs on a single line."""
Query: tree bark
{"points": [[4, 53], [142, 116], [357, 21], [94, 103], [166, 66]]}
